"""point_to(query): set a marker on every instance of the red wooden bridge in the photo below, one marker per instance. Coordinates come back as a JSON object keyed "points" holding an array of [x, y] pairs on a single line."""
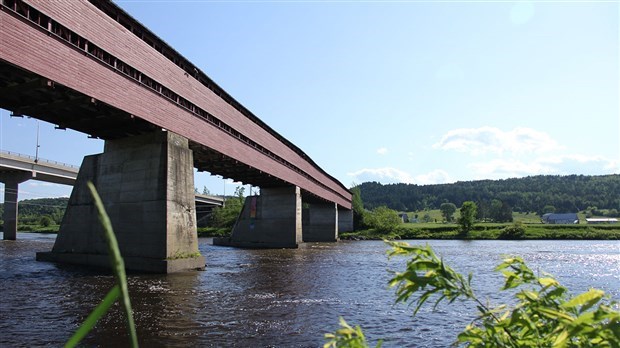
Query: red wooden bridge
{"points": [[89, 66]]}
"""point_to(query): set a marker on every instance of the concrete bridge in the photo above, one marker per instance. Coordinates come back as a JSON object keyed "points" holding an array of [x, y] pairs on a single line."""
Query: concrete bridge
{"points": [[89, 66], [16, 168]]}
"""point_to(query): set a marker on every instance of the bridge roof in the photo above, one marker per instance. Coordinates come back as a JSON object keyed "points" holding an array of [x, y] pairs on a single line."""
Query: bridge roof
{"points": [[121, 43]]}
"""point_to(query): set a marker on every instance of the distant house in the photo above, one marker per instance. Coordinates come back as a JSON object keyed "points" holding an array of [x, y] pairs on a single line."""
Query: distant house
{"points": [[568, 218], [404, 217], [602, 221]]}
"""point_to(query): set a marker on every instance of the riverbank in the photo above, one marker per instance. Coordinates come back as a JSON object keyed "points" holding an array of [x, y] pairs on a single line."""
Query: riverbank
{"points": [[484, 231], [491, 231]]}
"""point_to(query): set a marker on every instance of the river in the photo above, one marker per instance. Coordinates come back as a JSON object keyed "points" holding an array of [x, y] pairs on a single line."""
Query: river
{"points": [[273, 298]]}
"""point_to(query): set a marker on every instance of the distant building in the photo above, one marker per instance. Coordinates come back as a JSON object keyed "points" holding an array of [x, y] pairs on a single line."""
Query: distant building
{"points": [[601, 220], [404, 217], [568, 218]]}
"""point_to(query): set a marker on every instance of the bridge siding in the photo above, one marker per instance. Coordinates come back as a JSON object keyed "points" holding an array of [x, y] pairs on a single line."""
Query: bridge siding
{"points": [[94, 79], [120, 42]]}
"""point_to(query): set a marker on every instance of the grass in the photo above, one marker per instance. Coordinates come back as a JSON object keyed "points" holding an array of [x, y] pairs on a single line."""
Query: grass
{"points": [[118, 292], [213, 232], [38, 228]]}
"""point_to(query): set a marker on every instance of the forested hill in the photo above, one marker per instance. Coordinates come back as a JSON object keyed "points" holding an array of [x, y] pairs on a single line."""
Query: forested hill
{"points": [[41, 206], [570, 193]]}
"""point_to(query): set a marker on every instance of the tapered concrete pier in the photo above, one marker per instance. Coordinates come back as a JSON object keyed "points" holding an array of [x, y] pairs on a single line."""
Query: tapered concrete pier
{"points": [[320, 222], [271, 220], [147, 186]]}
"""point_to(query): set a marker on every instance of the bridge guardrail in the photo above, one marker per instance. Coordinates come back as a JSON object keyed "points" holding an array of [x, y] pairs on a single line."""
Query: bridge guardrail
{"points": [[38, 160]]}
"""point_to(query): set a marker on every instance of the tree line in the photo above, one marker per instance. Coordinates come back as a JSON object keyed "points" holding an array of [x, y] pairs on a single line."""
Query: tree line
{"points": [[571, 193], [35, 211]]}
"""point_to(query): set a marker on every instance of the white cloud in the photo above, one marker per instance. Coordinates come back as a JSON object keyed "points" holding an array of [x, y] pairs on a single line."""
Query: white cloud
{"points": [[437, 176], [582, 164], [386, 175], [389, 175], [508, 168], [493, 140], [382, 150], [558, 165]]}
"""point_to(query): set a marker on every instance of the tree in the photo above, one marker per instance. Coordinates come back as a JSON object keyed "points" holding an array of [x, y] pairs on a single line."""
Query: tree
{"points": [[505, 213], [426, 218], [45, 221], [483, 211], [205, 191], [548, 209], [226, 216], [358, 208], [500, 211], [468, 216], [382, 219], [447, 210]]}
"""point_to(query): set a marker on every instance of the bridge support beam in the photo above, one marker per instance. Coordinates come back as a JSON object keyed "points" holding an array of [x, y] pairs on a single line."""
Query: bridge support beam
{"points": [[320, 222], [11, 182], [271, 220], [147, 186]]}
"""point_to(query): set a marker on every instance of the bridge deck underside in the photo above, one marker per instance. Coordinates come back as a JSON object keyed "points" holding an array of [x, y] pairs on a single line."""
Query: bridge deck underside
{"points": [[91, 73], [27, 94]]}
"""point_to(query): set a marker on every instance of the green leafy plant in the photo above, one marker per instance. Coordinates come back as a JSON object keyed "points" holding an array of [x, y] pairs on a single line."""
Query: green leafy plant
{"points": [[347, 336], [468, 217], [514, 231], [544, 315], [382, 219], [119, 291]]}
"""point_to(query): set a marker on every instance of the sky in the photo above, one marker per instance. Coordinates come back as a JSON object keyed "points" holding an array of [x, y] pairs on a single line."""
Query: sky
{"points": [[420, 92]]}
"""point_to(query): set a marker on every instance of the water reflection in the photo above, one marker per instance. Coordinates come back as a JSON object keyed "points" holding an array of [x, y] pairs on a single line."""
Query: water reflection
{"points": [[264, 298]]}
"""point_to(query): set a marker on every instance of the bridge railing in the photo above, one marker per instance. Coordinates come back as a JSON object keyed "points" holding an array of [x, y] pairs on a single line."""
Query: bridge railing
{"points": [[37, 160]]}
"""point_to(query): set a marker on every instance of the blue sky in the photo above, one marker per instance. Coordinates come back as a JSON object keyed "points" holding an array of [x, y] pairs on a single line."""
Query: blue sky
{"points": [[404, 91]]}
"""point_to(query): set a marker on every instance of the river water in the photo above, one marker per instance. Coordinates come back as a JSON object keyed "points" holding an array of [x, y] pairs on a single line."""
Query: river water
{"points": [[273, 298]]}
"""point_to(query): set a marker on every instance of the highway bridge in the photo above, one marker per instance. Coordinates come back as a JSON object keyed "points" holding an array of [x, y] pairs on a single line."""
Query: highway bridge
{"points": [[16, 168], [88, 65]]}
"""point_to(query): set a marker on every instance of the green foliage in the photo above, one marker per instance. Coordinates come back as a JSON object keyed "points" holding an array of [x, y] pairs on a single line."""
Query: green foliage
{"points": [[45, 221], [468, 216], [514, 231], [566, 193], [548, 209], [500, 211], [213, 232], [544, 315], [447, 211], [347, 336], [382, 219], [426, 218], [225, 217], [358, 208], [119, 290]]}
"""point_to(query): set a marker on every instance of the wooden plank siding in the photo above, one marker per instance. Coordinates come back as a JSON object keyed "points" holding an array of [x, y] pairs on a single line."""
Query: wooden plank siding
{"points": [[32, 49], [88, 21]]}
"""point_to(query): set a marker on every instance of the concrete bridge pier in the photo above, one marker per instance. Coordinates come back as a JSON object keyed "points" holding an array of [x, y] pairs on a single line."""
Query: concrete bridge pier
{"points": [[320, 222], [271, 220], [11, 182], [147, 186], [345, 220]]}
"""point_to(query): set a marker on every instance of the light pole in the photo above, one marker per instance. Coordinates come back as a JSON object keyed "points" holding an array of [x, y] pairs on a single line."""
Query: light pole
{"points": [[36, 155]]}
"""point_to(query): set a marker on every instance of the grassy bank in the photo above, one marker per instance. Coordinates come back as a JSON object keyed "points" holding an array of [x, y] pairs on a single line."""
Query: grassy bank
{"points": [[38, 228], [489, 231], [213, 232]]}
